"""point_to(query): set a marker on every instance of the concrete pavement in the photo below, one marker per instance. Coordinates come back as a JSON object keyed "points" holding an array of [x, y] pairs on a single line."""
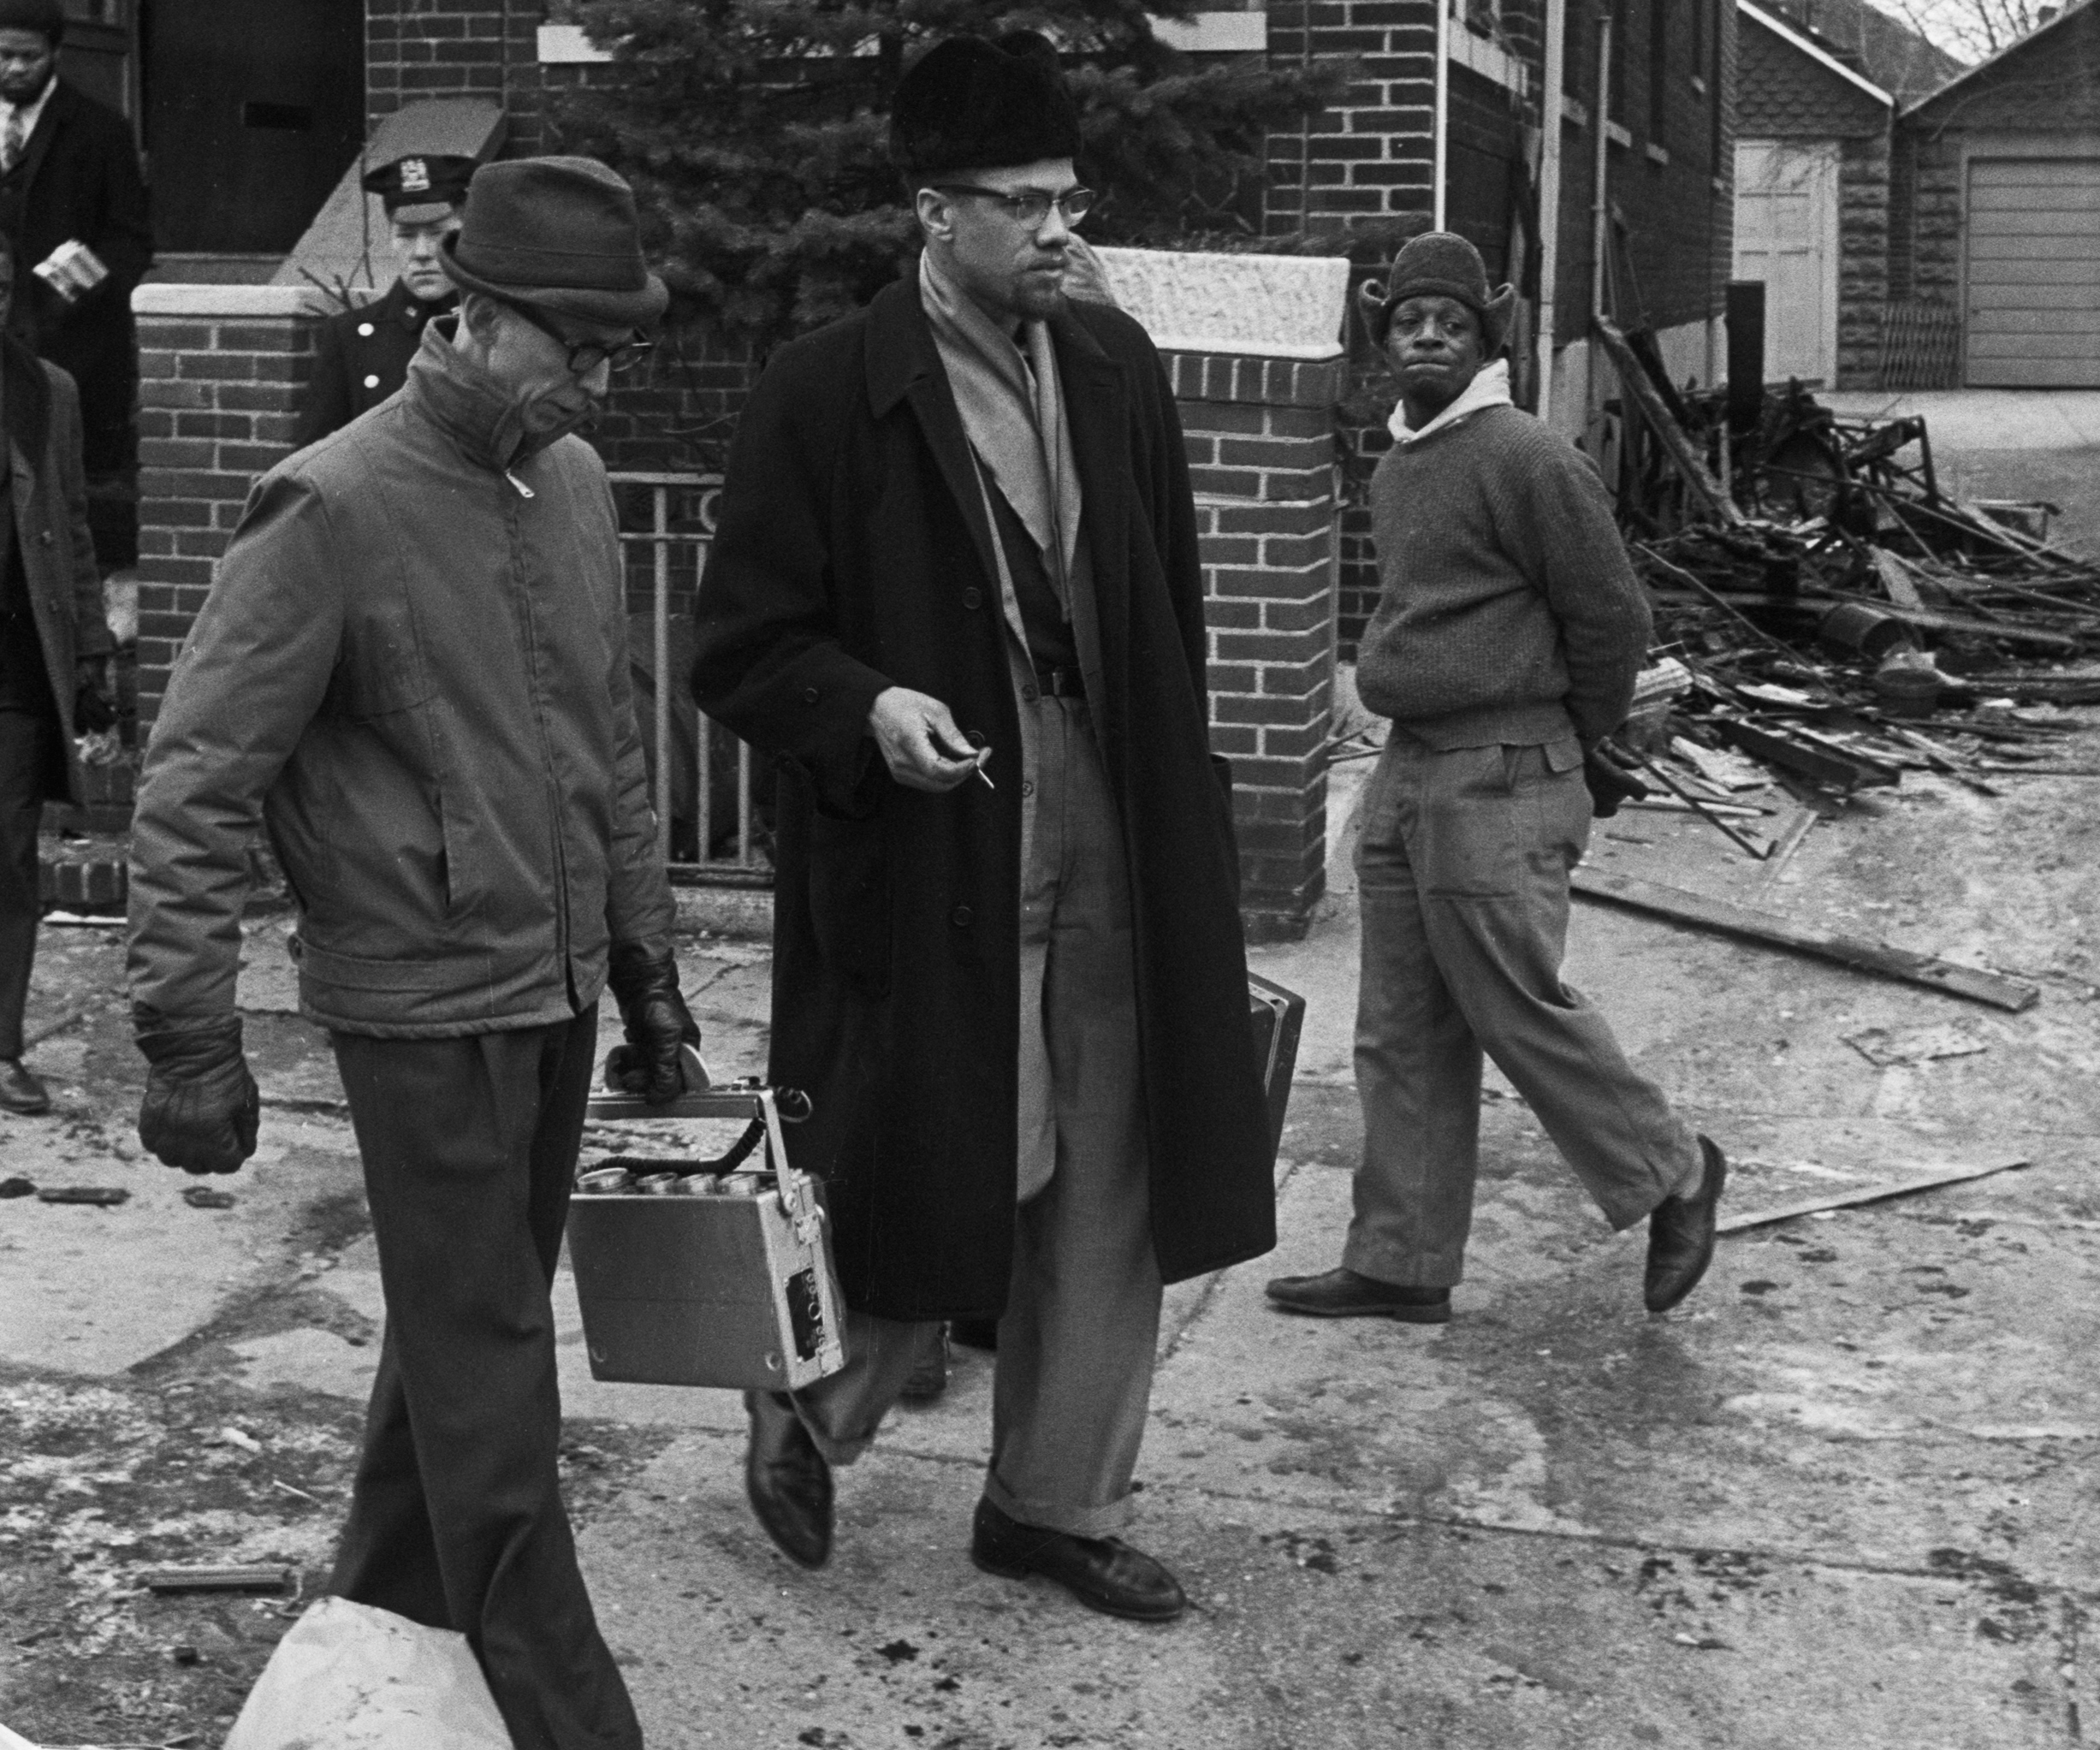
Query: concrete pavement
{"points": [[1842, 1498]]}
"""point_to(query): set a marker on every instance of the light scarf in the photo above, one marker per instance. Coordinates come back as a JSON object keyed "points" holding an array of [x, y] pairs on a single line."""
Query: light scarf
{"points": [[1490, 388], [1012, 409]]}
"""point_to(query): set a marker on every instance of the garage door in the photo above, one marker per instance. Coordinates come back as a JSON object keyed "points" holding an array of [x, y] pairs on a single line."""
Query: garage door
{"points": [[2034, 273]]}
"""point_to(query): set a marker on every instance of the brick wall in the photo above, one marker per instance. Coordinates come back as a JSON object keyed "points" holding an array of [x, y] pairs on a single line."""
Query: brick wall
{"points": [[220, 372], [1260, 440], [457, 49], [1371, 156]]}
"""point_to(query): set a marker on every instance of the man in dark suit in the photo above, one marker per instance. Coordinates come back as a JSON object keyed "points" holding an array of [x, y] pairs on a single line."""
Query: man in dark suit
{"points": [[955, 594], [74, 206], [361, 357], [53, 654]]}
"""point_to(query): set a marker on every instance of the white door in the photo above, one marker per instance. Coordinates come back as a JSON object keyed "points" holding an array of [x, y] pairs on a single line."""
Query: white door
{"points": [[2034, 273], [1786, 235]]}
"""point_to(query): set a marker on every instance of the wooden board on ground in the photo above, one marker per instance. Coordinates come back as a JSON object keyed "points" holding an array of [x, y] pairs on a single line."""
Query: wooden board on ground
{"points": [[1879, 1191], [1701, 912]]}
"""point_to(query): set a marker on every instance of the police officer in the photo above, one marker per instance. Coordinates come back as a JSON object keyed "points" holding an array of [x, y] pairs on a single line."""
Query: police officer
{"points": [[361, 357]]}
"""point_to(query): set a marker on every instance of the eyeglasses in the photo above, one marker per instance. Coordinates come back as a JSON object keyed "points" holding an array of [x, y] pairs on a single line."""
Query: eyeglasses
{"points": [[585, 356], [1031, 206]]}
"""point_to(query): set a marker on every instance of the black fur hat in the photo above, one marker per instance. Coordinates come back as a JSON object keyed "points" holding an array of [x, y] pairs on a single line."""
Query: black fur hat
{"points": [[970, 104]]}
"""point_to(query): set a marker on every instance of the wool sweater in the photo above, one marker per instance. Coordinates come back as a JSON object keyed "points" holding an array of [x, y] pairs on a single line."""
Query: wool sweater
{"points": [[1507, 610]]}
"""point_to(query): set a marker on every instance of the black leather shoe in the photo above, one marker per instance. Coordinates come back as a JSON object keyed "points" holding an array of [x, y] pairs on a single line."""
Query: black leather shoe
{"points": [[1343, 1294], [1680, 1235], [20, 1091], [787, 1479], [1104, 1574]]}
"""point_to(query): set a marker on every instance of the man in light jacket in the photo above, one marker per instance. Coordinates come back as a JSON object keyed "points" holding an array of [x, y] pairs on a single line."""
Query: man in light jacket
{"points": [[414, 662]]}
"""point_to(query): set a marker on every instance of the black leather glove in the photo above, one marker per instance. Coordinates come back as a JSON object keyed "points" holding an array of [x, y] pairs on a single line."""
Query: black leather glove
{"points": [[658, 1024], [1610, 783], [201, 1107]]}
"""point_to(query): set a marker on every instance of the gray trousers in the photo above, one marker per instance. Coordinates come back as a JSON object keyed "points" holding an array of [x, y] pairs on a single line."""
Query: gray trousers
{"points": [[1463, 881], [1074, 1374]]}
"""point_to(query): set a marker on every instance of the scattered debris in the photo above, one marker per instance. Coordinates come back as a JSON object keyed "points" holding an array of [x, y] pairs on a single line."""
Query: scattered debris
{"points": [[204, 1197], [1915, 1045], [106, 1196], [237, 1436], [166, 1582], [17, 1187], [1880, 1191], [1701, 912]]}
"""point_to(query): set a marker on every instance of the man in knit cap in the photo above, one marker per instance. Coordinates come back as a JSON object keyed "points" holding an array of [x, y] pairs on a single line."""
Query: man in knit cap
{"points": [[956, 595], [1508, 632]]}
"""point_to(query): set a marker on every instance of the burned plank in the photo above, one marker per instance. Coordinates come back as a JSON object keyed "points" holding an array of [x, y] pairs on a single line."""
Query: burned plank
{"points": [[1698, 912], [1823, 765]]}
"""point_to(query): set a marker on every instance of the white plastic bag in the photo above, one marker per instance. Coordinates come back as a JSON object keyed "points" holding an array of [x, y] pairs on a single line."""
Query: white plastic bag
{"points": [[351, 1678]]}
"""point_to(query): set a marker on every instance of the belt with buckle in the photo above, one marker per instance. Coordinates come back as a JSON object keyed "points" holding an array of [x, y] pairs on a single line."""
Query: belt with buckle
{"points": [[1060, 683]]}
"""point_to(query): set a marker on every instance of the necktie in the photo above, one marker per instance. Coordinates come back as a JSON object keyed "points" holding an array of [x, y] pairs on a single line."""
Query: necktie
{"points": [[12, 137]]}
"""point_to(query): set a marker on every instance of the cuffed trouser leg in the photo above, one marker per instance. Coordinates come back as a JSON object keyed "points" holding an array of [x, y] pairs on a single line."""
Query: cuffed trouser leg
{"points": [[1074, 1376], [1463, 884], [470, 1151]]}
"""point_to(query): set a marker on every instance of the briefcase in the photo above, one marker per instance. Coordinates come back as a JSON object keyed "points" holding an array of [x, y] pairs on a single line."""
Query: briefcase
{"points": [[1278, 1018], [706, 1273]]}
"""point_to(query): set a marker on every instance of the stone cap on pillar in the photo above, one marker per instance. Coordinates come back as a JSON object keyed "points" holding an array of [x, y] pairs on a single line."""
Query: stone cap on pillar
{"points": [[1254, 306]]}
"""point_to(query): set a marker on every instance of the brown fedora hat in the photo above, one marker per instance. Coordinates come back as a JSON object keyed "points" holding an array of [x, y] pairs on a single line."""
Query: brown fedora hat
{"points": [[558, 233]]}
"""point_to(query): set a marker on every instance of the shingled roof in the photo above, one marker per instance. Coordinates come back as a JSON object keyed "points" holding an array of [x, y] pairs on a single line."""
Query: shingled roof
{"points": [[1888, 51]]}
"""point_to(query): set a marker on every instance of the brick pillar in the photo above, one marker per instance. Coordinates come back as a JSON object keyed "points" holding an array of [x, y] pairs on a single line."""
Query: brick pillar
{"points": [[1261, 441], [220, 372]]}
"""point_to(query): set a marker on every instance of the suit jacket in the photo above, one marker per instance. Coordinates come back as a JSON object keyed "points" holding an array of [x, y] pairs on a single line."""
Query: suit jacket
{"points": [[360, 357], [78, 178], [50, 494], [854, 554]]}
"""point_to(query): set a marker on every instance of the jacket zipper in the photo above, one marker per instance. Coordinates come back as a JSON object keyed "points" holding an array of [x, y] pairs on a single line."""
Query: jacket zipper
{"points": [[524, 490]]}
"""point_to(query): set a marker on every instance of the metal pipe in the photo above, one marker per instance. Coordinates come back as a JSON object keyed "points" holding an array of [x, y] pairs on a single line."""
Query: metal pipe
{"points": [[1600, 210], [1439, 166], [659, 528], [1549, 194]]}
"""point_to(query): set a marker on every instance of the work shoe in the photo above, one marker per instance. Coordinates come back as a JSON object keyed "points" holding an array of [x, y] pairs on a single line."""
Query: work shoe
{"points": [[929, 1379], [1680, 1235], [21, 1091], [787, 1479], [1343, 1294], [1104, 1574]]}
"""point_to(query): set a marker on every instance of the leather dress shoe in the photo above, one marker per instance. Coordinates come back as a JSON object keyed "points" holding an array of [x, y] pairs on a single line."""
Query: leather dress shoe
{"points": [[21, 1091], [1105, 1573], [1680, 1235], [787, 1479], [1344, 1294]]}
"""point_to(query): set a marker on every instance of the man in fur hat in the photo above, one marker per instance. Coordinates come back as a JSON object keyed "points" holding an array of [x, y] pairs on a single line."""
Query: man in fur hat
{"points": [[361, 356], [955, 593], [1508, 632], [412, 667]]}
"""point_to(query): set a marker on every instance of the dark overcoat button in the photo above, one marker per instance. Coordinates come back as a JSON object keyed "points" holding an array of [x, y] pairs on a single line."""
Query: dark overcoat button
{"points": [[960, 917], [973, 598], [1031, 694], [46, 538], [808, 695]]}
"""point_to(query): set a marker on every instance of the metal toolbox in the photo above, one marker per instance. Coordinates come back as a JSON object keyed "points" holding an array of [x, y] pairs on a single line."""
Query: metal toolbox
{"points": [[1278, 1017], [734, 1290]]}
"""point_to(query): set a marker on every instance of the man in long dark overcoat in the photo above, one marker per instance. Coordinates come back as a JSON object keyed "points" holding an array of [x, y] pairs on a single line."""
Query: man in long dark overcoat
{"points": [[955, 594]]}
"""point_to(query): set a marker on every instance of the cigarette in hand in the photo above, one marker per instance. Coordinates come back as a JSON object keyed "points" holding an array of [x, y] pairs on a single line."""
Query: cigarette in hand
{"points": [[984, 754]]}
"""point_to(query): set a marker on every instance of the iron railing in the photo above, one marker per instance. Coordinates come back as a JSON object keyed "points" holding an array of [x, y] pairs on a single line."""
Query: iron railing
{"points": [[711, 806]]}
